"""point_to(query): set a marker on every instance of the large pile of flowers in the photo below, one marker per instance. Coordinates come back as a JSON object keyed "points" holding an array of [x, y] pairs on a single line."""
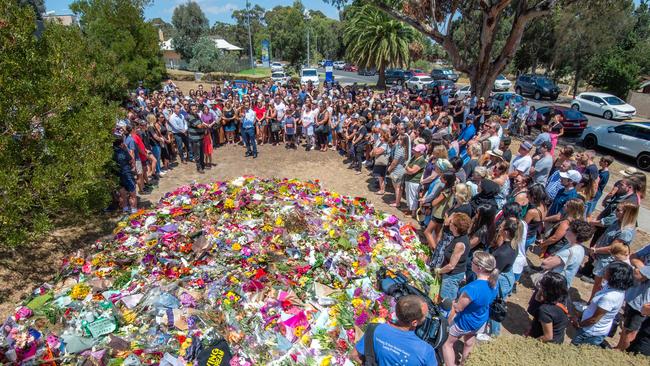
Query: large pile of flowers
{"points": [[281, 269]]}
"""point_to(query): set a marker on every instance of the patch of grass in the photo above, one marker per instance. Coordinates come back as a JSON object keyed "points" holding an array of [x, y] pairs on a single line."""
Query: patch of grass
{"points": [[517, 350], [258, 71]]}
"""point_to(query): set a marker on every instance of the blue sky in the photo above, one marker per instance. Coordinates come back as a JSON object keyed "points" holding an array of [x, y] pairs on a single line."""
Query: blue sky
{"points": [[215, 10]]}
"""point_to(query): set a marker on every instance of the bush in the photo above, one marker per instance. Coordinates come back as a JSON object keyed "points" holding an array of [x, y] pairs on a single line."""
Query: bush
{"points": [[55, 148], [517, 350]]}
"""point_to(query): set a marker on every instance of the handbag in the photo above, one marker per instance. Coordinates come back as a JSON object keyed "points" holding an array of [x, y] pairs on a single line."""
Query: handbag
{"points": [[498, 308]]}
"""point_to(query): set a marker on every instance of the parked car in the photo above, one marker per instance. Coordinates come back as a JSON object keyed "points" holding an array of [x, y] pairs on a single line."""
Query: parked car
{"points": [[276, 66], [444, 74], [631, 139], [501, 99], [367, 72], [502, 83], [443, 85], [574, 121], [418, 72], [538, 86], [280, 77], [463, 92], [601, 104], [395, 76], [338, 65], [309, 74], [350, 67], [418, 82]]}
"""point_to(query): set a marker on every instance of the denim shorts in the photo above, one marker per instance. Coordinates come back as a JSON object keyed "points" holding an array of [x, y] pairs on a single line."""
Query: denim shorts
{"points": [[127, 182], [450, 285]]}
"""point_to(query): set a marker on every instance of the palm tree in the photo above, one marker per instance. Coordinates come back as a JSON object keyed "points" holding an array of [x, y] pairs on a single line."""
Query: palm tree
{"points": [[373, 39]]}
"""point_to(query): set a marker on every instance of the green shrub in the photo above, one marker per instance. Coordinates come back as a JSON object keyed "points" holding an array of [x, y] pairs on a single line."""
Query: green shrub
{"points": [[517, 351], [55, 145]]}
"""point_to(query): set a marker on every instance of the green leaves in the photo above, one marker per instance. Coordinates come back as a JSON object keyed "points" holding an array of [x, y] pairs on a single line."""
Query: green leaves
{"points": [[190, 24]]}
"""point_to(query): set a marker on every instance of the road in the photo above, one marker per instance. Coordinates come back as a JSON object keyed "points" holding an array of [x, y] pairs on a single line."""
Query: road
{"points": [[345, 77]]}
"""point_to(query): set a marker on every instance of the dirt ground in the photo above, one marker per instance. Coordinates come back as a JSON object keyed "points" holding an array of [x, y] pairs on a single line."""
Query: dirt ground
{"points": [[21, 271]]}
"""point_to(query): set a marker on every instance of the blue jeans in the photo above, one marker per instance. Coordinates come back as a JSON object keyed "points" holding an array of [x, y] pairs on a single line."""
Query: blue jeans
{"points": [[450, 284], [182, 143], [505, 283], [591, 205], [248, 134], [155, 149], [583, 338]]}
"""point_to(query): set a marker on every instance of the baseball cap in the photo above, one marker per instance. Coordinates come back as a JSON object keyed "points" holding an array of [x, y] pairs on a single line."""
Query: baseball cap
{"points": [[526, 145], [443, 164], [355, 116], [421, 148], [419, 141], [573, 175]]}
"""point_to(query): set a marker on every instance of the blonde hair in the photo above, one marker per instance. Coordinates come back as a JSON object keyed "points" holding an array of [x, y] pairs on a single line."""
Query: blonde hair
{"points": [[440, 152], [619, 249], [462, 193], [574, 208], [151, 119], [475, 150], [630, 211], [487, 264]]}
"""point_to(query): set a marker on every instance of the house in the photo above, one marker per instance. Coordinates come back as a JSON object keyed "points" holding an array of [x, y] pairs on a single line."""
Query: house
{"points": [[173, 59], [66, 19]]}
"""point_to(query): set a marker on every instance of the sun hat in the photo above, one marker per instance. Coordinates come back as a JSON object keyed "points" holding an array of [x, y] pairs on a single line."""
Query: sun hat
{"points": [[496, 153], [629, 171], [573, 175]]}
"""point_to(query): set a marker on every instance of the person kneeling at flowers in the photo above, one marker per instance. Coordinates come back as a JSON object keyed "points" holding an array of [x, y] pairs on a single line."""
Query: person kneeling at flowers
{"points": [[396, 343]]}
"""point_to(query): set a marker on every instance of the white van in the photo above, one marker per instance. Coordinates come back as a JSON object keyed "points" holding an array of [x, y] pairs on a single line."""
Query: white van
{"points": [[307, 75]]}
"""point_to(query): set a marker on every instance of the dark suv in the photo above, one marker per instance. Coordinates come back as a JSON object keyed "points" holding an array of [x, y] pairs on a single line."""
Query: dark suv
{"points": [[444, 74], [395, 75], [536, 85]]}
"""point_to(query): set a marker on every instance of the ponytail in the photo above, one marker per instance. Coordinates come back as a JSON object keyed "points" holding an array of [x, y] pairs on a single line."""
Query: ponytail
{"points": [[518, 237], [494, 277]]}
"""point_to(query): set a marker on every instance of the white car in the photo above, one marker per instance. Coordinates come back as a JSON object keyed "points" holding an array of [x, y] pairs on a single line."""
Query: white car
{"points": [[631, 139], [338, 65], [276, 66], [463, 92], [502, 84], [280, 77], [418, 82], [602, 104], [307, 75]]}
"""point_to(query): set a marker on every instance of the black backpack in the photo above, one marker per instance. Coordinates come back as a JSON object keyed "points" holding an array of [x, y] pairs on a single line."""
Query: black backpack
{"points": [[434, 328]]}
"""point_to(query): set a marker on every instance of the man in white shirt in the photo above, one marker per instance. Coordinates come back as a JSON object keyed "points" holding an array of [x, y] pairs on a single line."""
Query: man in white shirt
{"points": [[280, 107], [522, 162]]}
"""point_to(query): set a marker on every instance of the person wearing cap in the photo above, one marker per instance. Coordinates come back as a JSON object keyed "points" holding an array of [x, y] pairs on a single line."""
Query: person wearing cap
{"points": [[569, 180], [542, 163], [414, 170], [522, 162]]}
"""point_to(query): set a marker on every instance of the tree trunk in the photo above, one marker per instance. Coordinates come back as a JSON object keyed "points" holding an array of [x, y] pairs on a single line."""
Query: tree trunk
{"points": [[381, 80], [576, 79], [482, 81]]}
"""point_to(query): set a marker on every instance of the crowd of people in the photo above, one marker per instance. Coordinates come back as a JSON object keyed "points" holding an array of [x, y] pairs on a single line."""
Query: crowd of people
{"points": [[483, 203]]}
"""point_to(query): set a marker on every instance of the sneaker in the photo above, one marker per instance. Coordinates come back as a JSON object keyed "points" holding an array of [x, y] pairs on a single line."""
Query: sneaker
{"points": [[483, 337], [162, 173], [364, 162]]}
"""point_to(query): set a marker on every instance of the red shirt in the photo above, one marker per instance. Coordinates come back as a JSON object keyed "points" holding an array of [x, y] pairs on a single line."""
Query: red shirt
{"points": [[259, 112], [138, 141]]}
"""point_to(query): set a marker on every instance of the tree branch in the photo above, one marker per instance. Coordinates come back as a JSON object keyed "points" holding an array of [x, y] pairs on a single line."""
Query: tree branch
{"points": [[422, 27]]}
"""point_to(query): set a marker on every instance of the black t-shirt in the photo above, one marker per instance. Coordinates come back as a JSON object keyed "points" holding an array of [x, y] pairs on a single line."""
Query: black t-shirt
{"points": [[550, 313], [461, 266], [505, 256], [363, 132]]}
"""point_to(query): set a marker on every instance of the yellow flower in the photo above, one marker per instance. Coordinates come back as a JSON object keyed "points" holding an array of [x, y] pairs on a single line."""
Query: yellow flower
{"points": [[79, 291], [129, 316], [229, 203], [236, 246], [355, 264], [332, 233], [267, 228], [279, 221], [305, 339], [356, 302], [298, 331], [326, 361], [152, 242], [319, 200]]}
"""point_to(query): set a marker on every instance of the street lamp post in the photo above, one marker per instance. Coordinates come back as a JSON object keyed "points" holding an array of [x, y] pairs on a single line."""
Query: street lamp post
{"points": [[250, 39], [307, 18]]}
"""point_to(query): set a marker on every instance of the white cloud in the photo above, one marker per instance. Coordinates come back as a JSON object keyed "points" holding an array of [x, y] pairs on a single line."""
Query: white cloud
{"points": [[217, 9]]}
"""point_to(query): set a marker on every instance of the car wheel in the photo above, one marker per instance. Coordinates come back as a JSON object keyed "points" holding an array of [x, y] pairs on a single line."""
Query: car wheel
{"points": [[575, 106], [643, 161], [607, 115], [590, 141], [518, 90], [537, 95]]}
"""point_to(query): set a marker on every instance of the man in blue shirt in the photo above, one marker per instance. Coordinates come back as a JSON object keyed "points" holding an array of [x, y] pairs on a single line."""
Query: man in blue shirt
{"points": [[568, 191], [248, 130], [396, 343], [178, 126]]}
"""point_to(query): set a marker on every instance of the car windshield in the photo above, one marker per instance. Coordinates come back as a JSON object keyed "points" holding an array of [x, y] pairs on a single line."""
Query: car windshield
{"points": [[277, 75], [501, 77], [447, 72], [309, 73], [614, 100], [544, 82], [571, 114], [426, 80]]}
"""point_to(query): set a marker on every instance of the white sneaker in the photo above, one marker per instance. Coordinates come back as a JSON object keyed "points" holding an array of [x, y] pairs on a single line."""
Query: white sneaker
{"points": [[483, 337], [162, 173], [364, 162]]}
